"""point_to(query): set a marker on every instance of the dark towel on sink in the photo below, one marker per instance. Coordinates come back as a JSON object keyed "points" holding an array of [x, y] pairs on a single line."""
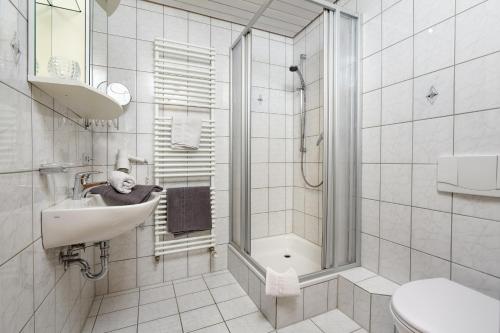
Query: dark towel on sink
{"points": [[188, 209], [139, 194]]}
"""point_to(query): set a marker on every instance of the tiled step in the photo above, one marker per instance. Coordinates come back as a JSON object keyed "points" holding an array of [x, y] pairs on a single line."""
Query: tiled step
{"points": [[365, 297], [360, 294]]}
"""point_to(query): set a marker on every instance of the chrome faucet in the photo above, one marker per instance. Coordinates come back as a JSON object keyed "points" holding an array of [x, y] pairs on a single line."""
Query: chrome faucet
{"points": [[81, 179]]}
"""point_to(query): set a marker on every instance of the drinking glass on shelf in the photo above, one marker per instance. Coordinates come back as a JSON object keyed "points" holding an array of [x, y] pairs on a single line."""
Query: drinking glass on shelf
{"points": [[63, 68]]}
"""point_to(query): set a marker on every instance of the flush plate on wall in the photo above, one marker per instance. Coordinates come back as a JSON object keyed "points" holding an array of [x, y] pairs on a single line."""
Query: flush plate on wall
{"points": [[475, 175]]}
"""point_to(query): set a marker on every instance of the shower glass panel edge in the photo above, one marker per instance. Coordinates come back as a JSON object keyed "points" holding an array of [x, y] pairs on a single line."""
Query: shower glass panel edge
{"points": [[239, 127]]}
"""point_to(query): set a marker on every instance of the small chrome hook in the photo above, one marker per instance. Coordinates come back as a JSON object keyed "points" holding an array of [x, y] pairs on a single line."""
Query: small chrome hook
{"points": [[432, 95], [16, 48]]}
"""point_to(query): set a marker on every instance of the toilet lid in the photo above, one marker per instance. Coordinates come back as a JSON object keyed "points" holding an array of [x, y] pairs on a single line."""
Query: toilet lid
{"points": [[443, 306]]}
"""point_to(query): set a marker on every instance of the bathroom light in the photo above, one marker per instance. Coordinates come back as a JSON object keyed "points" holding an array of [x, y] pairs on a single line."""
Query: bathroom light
{"points": [[109, 6]]}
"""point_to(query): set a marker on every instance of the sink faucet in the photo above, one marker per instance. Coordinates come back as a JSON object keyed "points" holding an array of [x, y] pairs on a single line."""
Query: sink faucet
{"points": [[81, 179]]}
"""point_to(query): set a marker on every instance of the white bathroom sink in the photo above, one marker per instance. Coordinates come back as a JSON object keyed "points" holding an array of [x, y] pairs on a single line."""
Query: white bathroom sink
{"points": [[91, 220]]}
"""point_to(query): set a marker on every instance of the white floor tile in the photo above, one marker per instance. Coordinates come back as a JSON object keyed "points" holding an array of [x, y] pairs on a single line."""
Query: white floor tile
{"points": [[301, 327], [130, 329], [219, 328], [218, 279], [157, 310], [200, 318], [228, 292], [115, 320], [252, 323], [156, 294], [335, 322], [110, 304], [237, 307], [170, 324], [189, 287], [194, 301]]}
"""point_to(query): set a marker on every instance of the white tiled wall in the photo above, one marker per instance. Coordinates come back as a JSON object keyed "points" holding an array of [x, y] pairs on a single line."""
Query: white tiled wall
{"points": [[271, 135], [123, 52], [307, 203], [36, 294], [409, 230]]}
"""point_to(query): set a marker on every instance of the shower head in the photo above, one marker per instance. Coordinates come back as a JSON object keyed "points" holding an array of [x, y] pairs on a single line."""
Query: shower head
{"points": [[294, 68]]}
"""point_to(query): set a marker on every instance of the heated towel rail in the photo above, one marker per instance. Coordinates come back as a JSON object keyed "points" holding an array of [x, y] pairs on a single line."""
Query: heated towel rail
{"points": [[184, 80]]}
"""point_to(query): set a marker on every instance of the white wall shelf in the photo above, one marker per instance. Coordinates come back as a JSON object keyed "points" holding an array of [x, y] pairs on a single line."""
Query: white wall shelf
{"points": [[84, 100]]}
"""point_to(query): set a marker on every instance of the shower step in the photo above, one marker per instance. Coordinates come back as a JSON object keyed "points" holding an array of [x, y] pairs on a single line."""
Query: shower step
{"points": [[365, 297], [360, 294]]}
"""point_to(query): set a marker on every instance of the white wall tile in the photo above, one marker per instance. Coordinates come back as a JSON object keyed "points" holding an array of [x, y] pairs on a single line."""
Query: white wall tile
{"points": [[397, 62], [395, 223], [315, 299], [372, 108], [277, 54], [432, 138], [15, 214], [369, 8], [466, 4], [431, 232], [16, 130], [425, 266], [434, 48], [477, 31], [122, 275], [476, 244], [477, 83], [149, 25], [487, 284], [371, 181], [371, 72], [198, 33], [428, 12], [16, 297], [372, 36], [397, 103], [425, 193], [397, 22], [260, 74], [396, 183], [477, 206], [397, 143], [370, 252], [123, 22], [394, 261], [443, 82], [370, 216], [371, 145], [362, 301], [476, 133], [176, 28]]}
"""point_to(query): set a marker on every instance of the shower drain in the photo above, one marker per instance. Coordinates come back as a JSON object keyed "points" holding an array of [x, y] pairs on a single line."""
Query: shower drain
{"points": [[287, 256]]}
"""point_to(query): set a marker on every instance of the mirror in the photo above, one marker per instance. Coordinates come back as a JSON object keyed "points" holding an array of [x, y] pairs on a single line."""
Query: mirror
{"points": [[61, 39], [119, 92]]}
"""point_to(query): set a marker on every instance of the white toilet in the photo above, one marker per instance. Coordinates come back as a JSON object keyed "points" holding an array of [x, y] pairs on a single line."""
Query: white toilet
{"points": [[443, 306]]}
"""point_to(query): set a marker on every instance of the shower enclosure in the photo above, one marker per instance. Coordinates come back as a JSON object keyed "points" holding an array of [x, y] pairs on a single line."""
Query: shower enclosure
{"points": [[294, 143]]}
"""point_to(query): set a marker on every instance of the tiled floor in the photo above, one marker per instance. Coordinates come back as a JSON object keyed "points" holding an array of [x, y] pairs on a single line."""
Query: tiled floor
{"points": [[212, 303]]}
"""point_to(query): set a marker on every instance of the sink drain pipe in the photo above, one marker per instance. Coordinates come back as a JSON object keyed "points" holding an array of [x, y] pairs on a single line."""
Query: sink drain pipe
{"points": [[72, 257]]}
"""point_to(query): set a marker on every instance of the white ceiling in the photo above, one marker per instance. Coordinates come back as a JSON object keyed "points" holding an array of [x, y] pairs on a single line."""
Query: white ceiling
{"points": [[284, 17]]}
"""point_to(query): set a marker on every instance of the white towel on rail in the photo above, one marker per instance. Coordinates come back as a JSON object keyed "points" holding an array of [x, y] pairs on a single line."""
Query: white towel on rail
{"points": [[186, 132], [282, 284], [121, 181]]}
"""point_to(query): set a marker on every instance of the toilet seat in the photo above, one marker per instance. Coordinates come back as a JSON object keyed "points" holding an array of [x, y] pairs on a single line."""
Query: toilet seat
{"points": [[443, 306]]}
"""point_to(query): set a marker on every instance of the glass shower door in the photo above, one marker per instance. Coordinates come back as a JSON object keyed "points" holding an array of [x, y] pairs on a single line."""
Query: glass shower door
{"points": [[341, 90], [239, 145]]}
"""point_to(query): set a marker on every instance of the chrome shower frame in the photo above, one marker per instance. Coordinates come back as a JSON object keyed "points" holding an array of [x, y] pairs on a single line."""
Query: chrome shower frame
{"points": [[330, 105]]}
